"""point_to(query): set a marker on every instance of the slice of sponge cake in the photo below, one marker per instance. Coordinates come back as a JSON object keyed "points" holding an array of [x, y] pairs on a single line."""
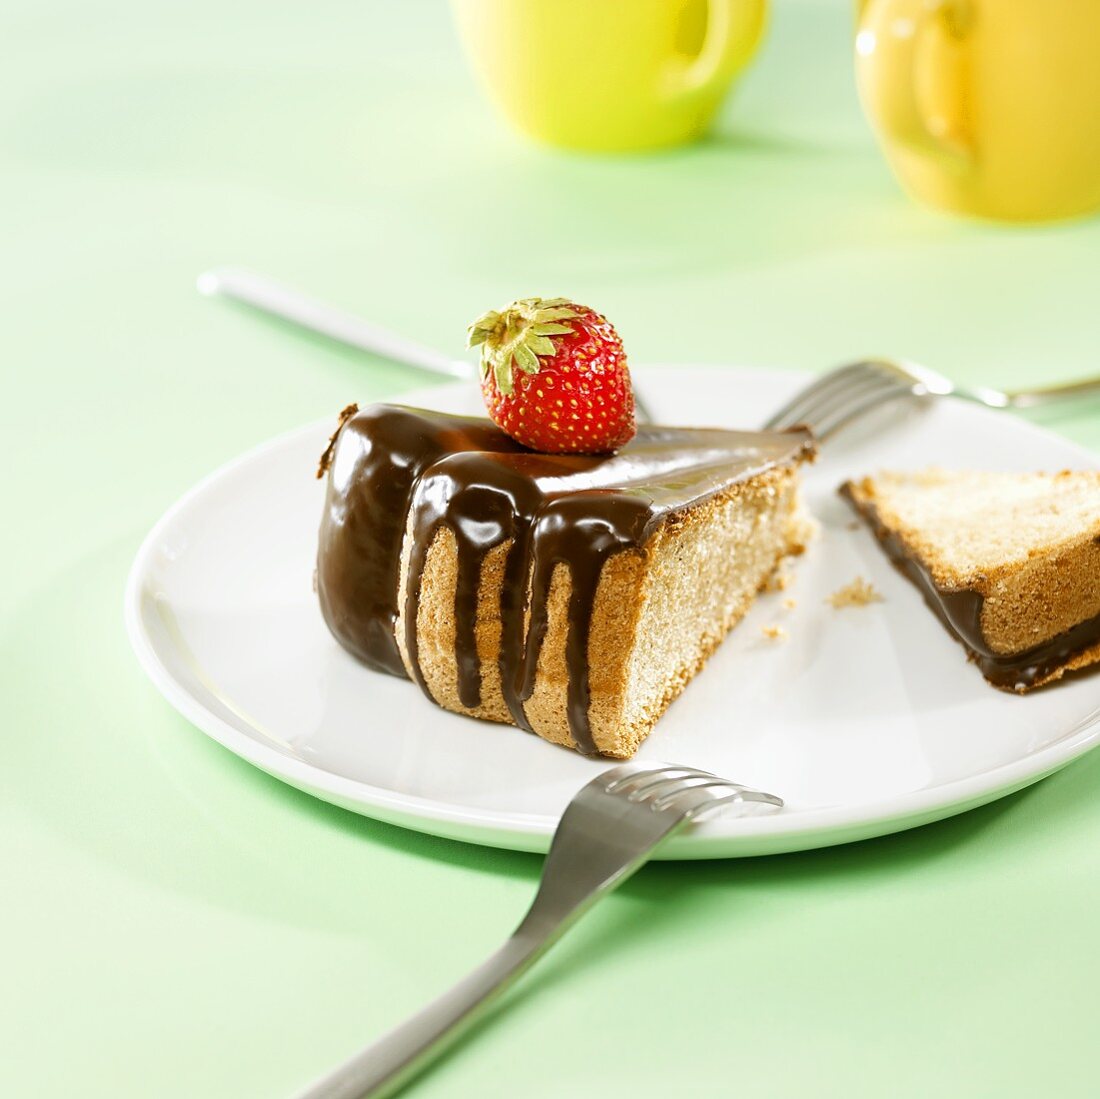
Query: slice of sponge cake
{"points": [[1009, 562], [571, 595]]}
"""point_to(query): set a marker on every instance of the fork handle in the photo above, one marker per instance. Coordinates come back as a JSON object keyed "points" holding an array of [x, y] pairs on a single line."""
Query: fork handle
{"points": [[269, 296], [1028, 398], [386, 1066]]}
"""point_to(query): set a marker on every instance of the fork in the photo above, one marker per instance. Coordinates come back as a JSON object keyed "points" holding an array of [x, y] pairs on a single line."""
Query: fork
{"points": [[840, 396], [269, 296], [606, 833], [826, 405]]}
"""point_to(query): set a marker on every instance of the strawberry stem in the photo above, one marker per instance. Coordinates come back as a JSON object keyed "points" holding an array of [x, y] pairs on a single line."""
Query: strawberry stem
{"points": [[515, 336]]}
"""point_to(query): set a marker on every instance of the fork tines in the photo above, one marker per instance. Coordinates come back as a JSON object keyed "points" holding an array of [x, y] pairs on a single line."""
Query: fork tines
{"points": [[842, 395], [686, 790]]}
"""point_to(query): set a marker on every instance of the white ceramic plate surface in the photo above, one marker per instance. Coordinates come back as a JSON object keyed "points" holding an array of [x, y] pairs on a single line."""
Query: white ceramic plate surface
{"points": [[865, 720]]}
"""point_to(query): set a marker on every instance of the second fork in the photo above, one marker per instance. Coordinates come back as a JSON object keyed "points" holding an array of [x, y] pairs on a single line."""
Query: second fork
{"points": [[607, 832]]}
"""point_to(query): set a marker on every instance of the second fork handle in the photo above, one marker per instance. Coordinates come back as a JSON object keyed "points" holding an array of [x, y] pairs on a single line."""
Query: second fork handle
{"points": [[1028, 398], [385, 1067]]}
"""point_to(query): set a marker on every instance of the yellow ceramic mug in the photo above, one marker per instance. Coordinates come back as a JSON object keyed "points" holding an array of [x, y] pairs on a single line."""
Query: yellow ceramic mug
{"points": [[609, 75], [988, 107]]}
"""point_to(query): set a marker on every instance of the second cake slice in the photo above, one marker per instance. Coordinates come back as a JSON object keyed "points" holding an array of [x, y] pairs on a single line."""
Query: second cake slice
{"points": [[1010, 562]]}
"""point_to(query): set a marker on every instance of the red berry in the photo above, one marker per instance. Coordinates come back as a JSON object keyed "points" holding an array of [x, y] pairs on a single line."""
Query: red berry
{"points": [[554, 376]]}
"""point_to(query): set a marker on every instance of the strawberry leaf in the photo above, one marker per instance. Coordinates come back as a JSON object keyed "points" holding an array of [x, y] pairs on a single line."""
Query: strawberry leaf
{"points": [[526, 359], [502, 372], [555, 314], [540, 345]]}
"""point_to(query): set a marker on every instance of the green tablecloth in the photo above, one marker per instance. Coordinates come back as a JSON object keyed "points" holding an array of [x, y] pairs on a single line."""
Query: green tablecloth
{"points": [[176, 924]]}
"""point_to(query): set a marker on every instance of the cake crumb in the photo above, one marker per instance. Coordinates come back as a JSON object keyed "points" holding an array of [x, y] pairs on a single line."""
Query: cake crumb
{"points": [[774, 633], [780, 580], [325, 462], [856, 594], [790, 604]]}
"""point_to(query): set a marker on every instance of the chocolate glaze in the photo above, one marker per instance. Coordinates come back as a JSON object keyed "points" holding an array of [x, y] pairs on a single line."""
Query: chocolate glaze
{"points": [[961, 613], [396, 470]]}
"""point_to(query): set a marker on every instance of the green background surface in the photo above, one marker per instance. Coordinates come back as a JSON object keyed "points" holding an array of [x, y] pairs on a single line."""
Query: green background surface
{"points": [[175, 923]]}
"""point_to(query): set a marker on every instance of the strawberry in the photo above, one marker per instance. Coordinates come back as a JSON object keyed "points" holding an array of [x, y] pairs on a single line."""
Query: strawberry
{"points": [[554, 376]]}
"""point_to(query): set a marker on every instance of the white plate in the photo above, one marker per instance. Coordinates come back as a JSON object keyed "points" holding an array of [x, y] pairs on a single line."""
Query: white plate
{"points": [[866, 720]]}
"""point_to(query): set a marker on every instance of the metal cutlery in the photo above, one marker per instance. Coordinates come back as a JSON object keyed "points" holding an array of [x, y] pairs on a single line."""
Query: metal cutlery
{"points": [[269, 296], [606, 833], [826, 405], [842, 395], [276, 299]]}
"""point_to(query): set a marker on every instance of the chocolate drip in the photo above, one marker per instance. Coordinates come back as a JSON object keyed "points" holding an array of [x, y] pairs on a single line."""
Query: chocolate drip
{"points": [[401, 473], [381, 454], [961, 614], [571, 533]]}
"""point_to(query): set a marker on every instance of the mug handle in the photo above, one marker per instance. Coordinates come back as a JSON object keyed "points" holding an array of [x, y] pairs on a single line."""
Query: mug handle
{"points": [[897, 53], [733, 30]]}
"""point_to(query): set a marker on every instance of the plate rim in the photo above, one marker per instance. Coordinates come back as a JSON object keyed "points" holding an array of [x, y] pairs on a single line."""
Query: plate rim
{"points": [[723, 838]]}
